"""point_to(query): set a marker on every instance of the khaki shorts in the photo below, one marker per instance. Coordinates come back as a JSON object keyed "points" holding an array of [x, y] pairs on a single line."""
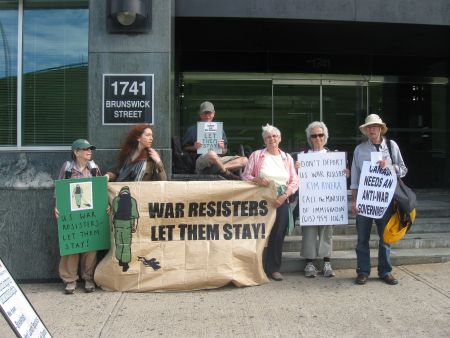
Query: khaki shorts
{"points": [[203, 166]]}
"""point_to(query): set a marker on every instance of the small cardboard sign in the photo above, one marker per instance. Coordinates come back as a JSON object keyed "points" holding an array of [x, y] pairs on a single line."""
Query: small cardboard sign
{"points": [[209, 134], [17, 310], [83, 223]]}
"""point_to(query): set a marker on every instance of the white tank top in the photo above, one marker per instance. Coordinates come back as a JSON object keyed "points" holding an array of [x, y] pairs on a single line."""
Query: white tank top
{"points": [[274, 170]]}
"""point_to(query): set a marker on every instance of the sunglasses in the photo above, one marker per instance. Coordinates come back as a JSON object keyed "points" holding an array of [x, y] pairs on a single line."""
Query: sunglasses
{"points": [[317, 135]]}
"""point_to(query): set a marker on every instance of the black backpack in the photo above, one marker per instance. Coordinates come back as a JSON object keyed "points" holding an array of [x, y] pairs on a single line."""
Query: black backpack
{"points": [[182, 162]]}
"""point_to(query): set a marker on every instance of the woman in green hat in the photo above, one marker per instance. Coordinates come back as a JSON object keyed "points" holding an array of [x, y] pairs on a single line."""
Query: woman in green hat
{"points": [[81, 166]]}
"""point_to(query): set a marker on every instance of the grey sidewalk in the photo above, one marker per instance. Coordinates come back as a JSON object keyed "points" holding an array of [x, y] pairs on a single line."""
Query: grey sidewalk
{"points": [[297, 307]]}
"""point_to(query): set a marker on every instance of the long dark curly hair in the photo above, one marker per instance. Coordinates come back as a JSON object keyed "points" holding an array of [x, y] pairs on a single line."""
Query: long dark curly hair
{"points": [[130, 144]]}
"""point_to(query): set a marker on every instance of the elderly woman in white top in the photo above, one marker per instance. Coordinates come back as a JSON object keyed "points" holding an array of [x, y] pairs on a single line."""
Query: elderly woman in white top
{"points": [[317, 240], [374, 128], [273, 164]]}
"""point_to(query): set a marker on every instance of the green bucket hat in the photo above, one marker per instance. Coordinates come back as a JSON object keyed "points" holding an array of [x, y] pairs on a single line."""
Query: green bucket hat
{"points": [[82, 144]]}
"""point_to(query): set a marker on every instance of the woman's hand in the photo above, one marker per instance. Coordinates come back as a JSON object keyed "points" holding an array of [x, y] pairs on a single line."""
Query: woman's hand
{"points": [[355, 209], [346, 172], [382, 163], [154, 155], [297, 165], [221, 144], [264, 182], [280, 200]]}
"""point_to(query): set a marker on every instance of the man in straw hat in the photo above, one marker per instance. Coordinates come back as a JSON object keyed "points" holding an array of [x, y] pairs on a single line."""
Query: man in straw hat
{"points": [[374, 128]]}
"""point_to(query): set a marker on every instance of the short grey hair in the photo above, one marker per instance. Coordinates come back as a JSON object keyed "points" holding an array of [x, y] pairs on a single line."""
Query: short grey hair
{"points": [[269, 130], [316, 124]]}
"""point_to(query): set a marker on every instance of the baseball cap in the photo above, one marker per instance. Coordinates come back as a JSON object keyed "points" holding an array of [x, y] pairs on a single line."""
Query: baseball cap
{"points": [[206, 106], [82, 144]]}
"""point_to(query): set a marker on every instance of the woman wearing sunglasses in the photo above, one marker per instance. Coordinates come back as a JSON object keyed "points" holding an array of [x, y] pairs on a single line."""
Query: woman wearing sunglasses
{"points": [[317, 240]]}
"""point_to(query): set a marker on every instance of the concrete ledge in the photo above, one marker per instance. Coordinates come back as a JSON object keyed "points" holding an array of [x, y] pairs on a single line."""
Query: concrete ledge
{"points": [[292, 262], [348, 242], [196, 177]]}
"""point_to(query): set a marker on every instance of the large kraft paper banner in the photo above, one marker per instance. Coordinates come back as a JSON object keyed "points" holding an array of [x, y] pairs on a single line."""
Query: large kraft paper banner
{"points": [[189, 235]]}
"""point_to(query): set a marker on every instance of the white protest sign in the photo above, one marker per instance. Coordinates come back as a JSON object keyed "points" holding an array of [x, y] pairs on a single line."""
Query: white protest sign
{"points": [[16, 309], [322, 189], [209, 134], [375, 157], [376, 189]]}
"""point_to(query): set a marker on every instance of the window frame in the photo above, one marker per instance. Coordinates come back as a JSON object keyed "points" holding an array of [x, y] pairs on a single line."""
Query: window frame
{"points": [[19, 89]]}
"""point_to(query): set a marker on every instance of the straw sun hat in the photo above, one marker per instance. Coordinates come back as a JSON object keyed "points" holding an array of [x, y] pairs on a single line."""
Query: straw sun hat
{"points": [[373, 119]]}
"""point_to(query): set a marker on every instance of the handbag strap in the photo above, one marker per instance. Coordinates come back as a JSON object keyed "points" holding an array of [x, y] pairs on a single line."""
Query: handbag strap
{"points": [[389, 145]]}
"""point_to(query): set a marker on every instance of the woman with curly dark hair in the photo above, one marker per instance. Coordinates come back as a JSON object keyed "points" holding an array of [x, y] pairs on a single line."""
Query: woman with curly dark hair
{"points": [[137, 160]]}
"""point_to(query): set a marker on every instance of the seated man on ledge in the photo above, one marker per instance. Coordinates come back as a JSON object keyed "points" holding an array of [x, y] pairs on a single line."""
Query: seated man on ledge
{"points": [[211, 162]]}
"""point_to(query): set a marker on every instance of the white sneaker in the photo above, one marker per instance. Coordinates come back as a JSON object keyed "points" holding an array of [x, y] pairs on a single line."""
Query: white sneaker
{"points": [[327, 270], [89, 286], [310, 270], [70, 287]]}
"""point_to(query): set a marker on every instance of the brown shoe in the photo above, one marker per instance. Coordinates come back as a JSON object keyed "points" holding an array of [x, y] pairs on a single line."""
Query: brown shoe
{"points": [[389, 279], [228, 175], [361, 279], [277, 276]]}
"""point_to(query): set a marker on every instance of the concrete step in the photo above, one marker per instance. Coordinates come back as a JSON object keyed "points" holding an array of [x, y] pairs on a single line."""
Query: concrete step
{"points": [[420, 225], [292, 262], [348, 242]]}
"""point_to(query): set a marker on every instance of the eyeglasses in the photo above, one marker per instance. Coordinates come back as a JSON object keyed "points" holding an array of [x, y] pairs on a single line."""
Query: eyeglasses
{"points": [[317, 135], [272, 136]]}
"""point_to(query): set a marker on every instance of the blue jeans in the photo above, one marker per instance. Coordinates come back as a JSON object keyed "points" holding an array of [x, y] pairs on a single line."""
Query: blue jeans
{"points": [[363, 228]]}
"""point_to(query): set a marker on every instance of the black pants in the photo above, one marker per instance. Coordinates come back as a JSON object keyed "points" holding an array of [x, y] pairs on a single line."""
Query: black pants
{"points": [[272, 261]]}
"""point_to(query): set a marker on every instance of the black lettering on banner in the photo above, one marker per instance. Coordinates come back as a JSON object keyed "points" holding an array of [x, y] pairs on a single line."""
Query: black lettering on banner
{"points": [[244, 208], [226, 208], [237, 231], [236, 207], [211, 211], [202, 209], [256, 228], [246, 231], [192, 232], [165, 210], [193, 209], [182, 228], [263, 209], [227, 234], [253, 208], [212, 232]]}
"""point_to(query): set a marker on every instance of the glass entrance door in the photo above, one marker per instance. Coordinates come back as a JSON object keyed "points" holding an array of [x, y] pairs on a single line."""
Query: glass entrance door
{"points": [[339, 104], [295, 104]]}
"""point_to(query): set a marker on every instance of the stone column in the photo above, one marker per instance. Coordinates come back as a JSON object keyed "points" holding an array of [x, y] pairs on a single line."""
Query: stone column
{"points": [[150, 53]]}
